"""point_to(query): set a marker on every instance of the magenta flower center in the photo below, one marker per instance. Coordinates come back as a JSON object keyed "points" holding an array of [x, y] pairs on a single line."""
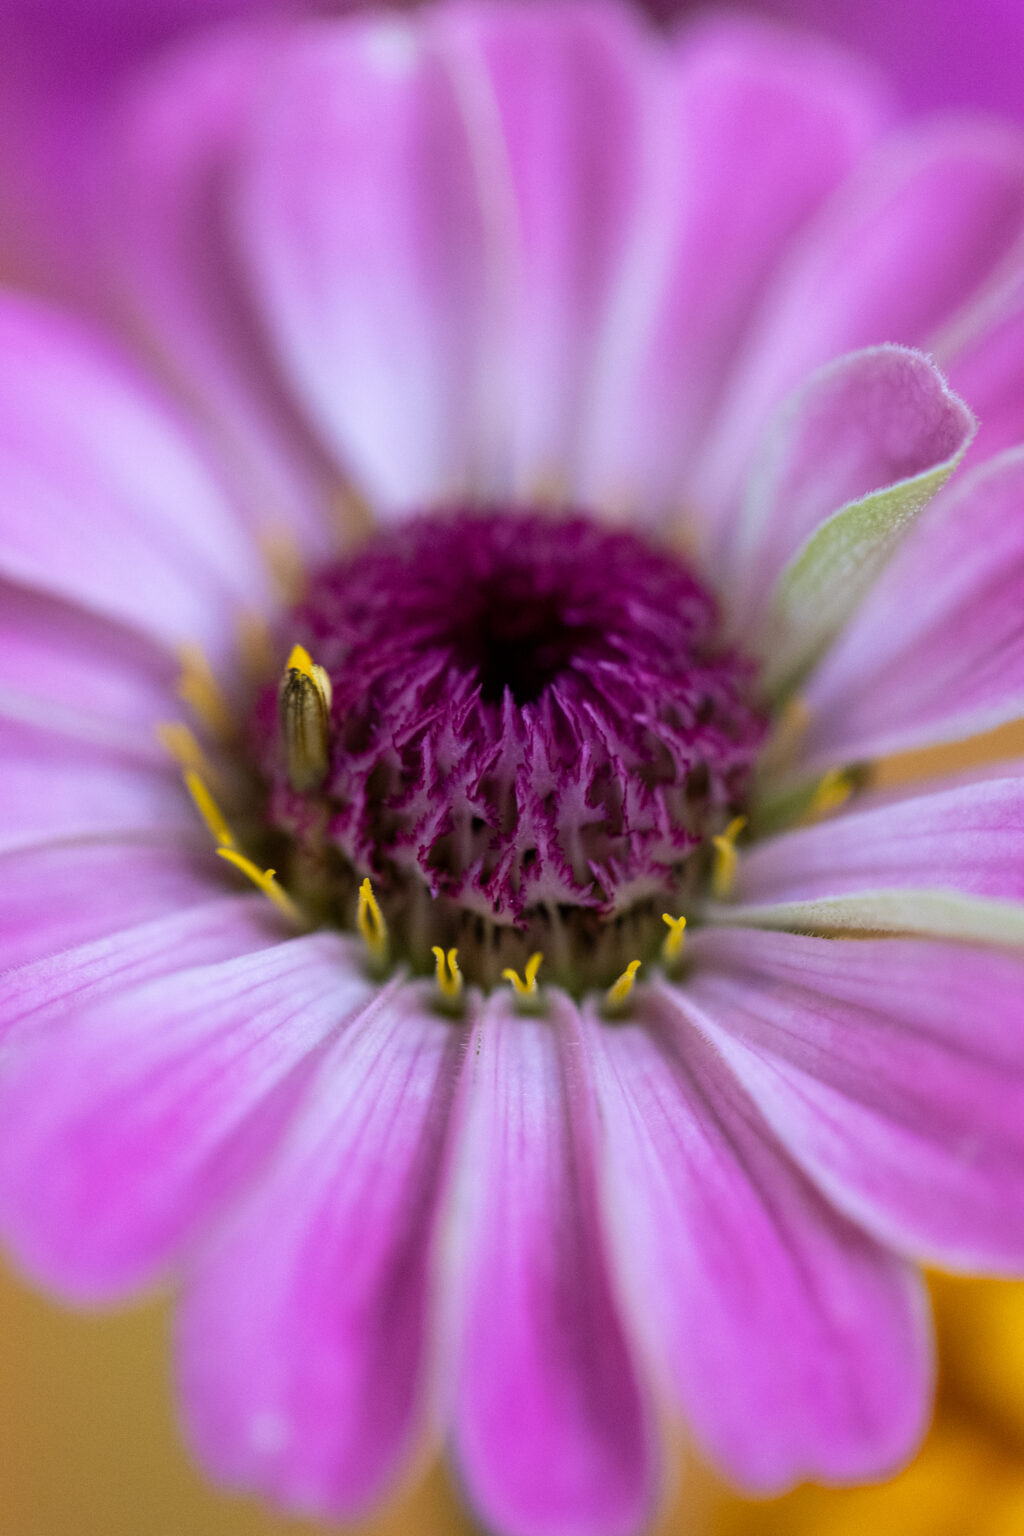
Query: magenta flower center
{"points": [[532, 733]]}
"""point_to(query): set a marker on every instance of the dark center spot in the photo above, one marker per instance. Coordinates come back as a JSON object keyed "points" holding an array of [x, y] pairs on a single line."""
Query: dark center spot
{"points": [[517, 640], [533, 721]]}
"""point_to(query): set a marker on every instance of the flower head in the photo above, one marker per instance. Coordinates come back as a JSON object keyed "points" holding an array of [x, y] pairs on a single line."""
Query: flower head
{"points": [[428, 930]]}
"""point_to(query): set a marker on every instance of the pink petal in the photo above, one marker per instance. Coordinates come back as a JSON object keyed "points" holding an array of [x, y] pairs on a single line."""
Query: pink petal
{"points": [[937, 651], [913, 235], [61, 895], [58, 981], [940, 52], [168, 229], [892, 1070], [57, 787], [361, 219], [861, 425], [795, 1346], [750, 129], [304, 1339], [984, 358], [129, 1126], [68, 669], [967, 841], [551, 1433], [559, 93], [105, 501]]}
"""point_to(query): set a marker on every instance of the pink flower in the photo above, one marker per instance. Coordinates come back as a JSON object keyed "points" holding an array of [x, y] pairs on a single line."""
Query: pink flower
{"points": [[628, 322]]}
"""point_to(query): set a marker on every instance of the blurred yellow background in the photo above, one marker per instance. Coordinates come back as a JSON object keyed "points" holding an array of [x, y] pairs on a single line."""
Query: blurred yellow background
{"points": [[89, 1445]]}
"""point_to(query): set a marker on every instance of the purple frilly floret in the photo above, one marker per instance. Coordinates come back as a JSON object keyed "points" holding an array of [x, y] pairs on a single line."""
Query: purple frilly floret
{"points": [[528, 709]]}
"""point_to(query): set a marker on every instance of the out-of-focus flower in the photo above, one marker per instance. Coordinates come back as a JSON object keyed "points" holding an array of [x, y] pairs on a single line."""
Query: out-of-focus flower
{"points": [[453, 1127]]}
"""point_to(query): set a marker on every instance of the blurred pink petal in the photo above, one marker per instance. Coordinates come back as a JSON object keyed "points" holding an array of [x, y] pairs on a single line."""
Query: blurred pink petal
{"points": [[319, 1388], [105, 502], [723, 196], [375, 305], [937, 651], [921, 225], [796, 1345], [539, 1355], [138, 1136], [967, 839], [891, 1070]]}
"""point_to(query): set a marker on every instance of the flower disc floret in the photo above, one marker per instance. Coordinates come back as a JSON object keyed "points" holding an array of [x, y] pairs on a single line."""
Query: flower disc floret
{"points": [[530, 713]]}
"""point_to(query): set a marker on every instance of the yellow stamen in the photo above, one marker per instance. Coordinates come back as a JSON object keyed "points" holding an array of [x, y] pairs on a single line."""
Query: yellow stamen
{"points": [[673, 945], [304, 708], [619, 991], [284, 559], [549, 489], [790, 729], [177, 740], [525, 985], [208, 809], [449, 977], [199, 689], [724, 872], [353, 514], [256, 646], [264, 880], [302, 662], [834, 788], [370, 922], [794, 720]]}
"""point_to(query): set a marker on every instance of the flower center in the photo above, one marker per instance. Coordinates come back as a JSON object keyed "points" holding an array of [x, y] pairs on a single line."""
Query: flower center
{"points": [[525, 732]]}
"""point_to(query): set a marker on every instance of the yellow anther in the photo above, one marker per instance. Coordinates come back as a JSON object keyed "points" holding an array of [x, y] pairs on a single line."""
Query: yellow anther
{"points": [[724, 872], [208, 809], [449, 977], [177, 740], [304, 708], [199, 689], [834, 788], [264, 879], [299, 660], [619, 991], [370, 922], [525, 985], [673, 945]]}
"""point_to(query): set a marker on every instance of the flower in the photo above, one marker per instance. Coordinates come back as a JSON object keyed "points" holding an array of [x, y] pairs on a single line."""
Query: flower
{"points": [[600, 350]]}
